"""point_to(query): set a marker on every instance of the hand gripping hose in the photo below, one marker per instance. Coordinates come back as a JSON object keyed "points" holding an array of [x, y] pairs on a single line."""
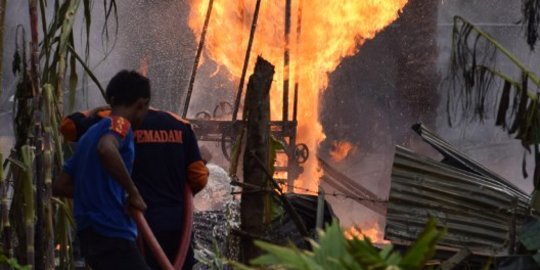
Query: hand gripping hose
{"points": [[185, 238]]}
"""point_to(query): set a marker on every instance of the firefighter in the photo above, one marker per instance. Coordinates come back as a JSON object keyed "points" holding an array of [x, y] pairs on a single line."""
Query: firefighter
{"points": [[97, 176], [167, 157]]}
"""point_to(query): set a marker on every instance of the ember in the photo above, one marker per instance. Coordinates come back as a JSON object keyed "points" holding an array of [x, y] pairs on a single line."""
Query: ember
{"points": [[341, 150], [374, 233]]}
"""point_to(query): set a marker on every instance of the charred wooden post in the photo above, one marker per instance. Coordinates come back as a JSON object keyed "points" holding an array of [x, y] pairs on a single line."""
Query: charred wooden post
{"points": [[257, 109]]}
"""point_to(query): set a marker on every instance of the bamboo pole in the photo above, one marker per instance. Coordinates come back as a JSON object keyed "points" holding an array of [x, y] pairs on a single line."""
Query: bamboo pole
{"points": [[197, 58], [32, 204], [27, 156], [49, 118], [2, 19], [65, 35], [246, 60], [6, 224], [2, 194]]}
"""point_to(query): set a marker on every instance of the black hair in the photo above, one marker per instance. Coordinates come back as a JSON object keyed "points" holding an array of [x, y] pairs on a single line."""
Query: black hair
{"points": [[126, 87]]}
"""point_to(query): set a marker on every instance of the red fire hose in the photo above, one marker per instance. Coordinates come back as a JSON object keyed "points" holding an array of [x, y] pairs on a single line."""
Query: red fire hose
{"points": [[185, 238]]}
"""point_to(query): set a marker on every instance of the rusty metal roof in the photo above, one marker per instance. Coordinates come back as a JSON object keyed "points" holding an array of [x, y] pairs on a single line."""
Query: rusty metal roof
{"points": [[479, 208]]}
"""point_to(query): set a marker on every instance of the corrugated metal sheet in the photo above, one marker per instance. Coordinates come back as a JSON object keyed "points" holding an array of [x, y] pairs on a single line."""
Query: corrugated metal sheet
{"points": [[478, 211], [349, 187], [456, 158]]}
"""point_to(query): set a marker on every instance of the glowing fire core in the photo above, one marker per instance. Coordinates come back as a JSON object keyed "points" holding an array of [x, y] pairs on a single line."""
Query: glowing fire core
{"points": [[330, 31]]}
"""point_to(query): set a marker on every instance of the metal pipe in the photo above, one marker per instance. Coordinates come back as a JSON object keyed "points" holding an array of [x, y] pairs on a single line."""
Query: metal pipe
{"points": [[286, 60], [320, 209], [294, 170], [197, 58], [296, 66], [246, 60]]}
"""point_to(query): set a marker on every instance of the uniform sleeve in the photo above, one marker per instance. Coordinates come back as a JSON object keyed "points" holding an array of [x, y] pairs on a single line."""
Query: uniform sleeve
{"points": [[197, 170], [75, 125], [119, 127]]}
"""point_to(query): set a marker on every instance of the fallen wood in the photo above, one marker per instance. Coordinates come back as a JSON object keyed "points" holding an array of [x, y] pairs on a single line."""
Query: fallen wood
{"points": [[456, 260]]}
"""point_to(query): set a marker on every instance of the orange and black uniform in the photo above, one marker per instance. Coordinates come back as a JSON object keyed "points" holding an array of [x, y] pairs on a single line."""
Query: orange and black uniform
{"points": [[166, 158]]}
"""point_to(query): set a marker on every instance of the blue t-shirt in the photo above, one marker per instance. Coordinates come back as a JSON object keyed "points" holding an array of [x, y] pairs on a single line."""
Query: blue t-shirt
{"points": [[99, 201]]}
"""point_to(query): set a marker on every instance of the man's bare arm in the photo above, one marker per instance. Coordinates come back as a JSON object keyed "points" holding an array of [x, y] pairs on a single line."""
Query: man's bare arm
{"points": [[112, 162], [63, 187]]}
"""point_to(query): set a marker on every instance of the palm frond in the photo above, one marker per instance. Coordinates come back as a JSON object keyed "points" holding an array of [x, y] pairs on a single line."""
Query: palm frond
{"points": [[474, 77], [531, 21]]}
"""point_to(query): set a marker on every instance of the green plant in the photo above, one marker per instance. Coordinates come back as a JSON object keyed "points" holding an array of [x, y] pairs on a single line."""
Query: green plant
{"points": [[44, 73], [12, 263], [213, 259], [334, 251]]}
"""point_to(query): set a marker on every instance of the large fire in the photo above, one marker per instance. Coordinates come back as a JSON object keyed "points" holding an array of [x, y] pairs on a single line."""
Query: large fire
{"points": [[330, 31]]}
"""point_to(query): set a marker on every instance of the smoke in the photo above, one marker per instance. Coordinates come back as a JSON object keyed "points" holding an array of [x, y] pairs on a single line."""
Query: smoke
{"points": [[375, 96], [395, 81]]}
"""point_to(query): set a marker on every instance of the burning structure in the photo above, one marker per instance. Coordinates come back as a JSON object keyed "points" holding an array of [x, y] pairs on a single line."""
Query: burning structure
{"points": [[306, 41]]}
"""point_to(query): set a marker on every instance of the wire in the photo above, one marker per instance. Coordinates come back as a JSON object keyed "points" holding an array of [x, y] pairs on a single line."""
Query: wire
{"points": [[313, 192]]}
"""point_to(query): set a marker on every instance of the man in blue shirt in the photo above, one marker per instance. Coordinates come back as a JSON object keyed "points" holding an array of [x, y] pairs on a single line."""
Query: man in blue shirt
{"points": [[98, 177], [167, 159]]}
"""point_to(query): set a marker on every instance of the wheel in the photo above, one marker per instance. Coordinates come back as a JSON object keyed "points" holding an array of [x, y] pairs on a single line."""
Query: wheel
{"points": [[228, 139], [222, 110], [204, 115], [301, 153]]}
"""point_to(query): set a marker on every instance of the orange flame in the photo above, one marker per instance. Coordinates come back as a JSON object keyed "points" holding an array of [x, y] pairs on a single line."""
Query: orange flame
{"points": [[374, 233], [340, 150], [330, 31]]}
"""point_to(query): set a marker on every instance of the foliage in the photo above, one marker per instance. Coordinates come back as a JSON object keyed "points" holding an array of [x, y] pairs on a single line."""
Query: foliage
{"points": [[44, 73], [531, 20], [213, 259], [12, 263], [473, 77], [334, 251]]}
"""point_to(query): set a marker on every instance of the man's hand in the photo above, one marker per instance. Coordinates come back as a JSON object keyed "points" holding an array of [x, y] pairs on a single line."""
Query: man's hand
{"points": [[136, 201], [63, 186]]}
